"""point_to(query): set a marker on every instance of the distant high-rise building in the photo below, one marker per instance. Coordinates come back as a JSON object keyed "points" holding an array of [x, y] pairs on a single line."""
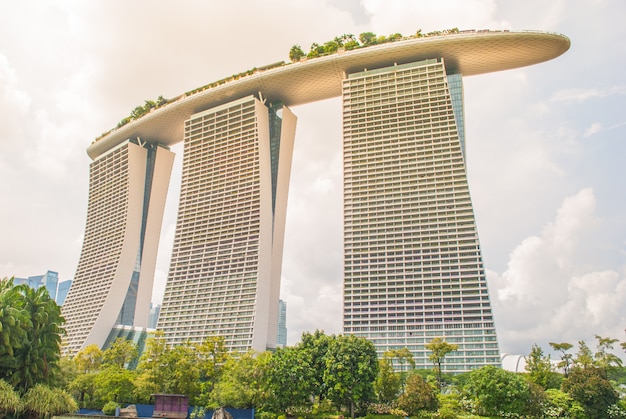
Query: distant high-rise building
{"points": [[413, 267], [62, 290], [49, 280], [282, 323]]}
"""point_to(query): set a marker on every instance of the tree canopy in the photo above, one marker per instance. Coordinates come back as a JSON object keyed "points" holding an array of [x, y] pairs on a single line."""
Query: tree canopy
{"points": [[351, 367], [439, 348]]}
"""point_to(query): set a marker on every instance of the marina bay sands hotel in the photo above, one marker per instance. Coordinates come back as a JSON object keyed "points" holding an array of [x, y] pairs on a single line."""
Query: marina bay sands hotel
{"points": [[413, 268]]}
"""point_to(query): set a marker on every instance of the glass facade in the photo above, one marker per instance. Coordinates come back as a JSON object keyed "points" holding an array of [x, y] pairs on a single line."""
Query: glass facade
{"points": [[50, 280], [282, 323]]}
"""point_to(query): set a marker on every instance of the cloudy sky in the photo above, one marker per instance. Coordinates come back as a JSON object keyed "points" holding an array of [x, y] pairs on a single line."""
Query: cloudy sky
{"points": [[546, 144]]}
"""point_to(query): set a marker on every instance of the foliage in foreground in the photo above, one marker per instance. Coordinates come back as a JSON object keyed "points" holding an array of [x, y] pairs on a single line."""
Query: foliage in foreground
{"points": [[44, 402], [31, 329], [10, 403], [322, 376]]}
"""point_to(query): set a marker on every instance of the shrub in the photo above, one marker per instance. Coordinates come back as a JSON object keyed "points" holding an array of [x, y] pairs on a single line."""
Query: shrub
{"points": [[418, 395], [109, 408], [449, 405], [41, 401], [9, 399]]}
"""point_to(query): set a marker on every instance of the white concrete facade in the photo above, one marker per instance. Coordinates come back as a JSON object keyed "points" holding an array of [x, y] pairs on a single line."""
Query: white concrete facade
{"points": [[413, 268], [225, 269], [121, 238]]}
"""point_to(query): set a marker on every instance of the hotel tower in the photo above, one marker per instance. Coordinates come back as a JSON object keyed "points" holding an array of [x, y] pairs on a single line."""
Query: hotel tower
{"points": [[113, 282], [413, 268], [225, 269]]}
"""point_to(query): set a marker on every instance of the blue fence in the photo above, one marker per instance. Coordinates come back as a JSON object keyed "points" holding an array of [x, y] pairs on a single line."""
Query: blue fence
{"points": [[146, 411]]}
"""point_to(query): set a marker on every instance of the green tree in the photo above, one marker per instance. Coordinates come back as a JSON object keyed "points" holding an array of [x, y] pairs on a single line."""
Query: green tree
{"points": [[349, 41], [83, 386], [87, 363], [367, 38], [121, 353], [418, 395], [495, 390], [449, 405], [36, 361], [315, 348], [295, 53], [589, 388], [113, 383], [183, 368], [14, 323], [401, 356], [191, 369], [137, 112], [89, 359], [439, 348], [64, 374], [566, 358], [560, 404], [387, 384], [289, 378], [242, 383], [213, 355], [539, 369], [152, 373], [584, 356], [161, 101], [330, 47], [316, 50], [351, 368], [604, 359], [10, 403]]}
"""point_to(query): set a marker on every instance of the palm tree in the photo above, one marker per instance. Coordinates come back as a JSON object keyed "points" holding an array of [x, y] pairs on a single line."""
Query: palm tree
{"points": [[295, 53], [14, 322], [439, 348], [37, 360]]}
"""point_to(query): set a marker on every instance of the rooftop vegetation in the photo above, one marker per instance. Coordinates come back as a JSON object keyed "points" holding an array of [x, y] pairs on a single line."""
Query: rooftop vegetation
{"points": [[345, 42]]}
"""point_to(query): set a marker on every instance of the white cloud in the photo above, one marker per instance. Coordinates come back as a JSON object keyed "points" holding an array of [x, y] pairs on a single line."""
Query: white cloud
{"points": [[595, 128], [547, 294], [578, 95], [14, 104], [407, 16]]}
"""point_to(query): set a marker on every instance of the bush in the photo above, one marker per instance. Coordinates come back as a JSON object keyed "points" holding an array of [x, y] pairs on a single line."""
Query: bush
{"points": [[41, 401], [418, 395], [449, 405], [109, 408], [9, 399], [324, 407], [265, 415]]}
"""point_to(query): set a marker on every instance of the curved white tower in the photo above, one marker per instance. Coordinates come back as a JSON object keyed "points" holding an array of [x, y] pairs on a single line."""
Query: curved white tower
{"points": [[113, 282]]}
